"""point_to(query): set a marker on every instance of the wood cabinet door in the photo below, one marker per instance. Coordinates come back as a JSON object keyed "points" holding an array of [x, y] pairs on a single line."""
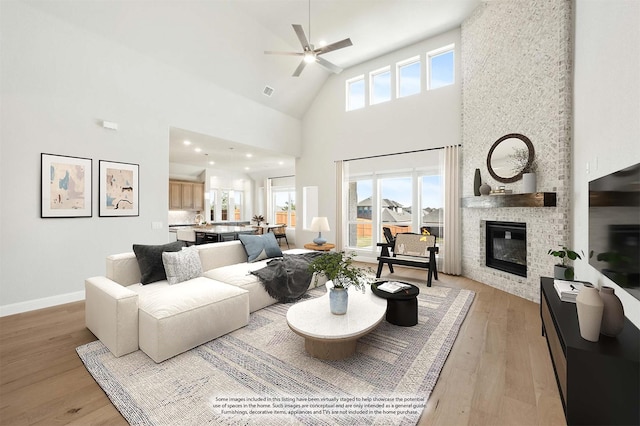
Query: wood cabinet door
{"points": [[198, 196], [187, 196], [175, 196]]}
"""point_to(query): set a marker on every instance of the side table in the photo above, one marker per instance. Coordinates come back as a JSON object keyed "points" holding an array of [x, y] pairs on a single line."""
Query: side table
{"points": [[323, 247], [402, 307]]}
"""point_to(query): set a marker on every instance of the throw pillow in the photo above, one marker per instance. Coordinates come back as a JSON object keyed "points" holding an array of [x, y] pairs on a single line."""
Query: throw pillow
{"points": [[150, 260], [182, 265], [259, 247]]}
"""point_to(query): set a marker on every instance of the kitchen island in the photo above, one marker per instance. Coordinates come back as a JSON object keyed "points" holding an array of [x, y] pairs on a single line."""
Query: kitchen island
{"points": [[202, 234]]}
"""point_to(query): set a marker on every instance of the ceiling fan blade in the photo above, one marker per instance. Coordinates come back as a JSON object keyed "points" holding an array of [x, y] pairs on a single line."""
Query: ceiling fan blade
{"points": [[301, 36], [334, 46], [328, 65], [271, 52], [298, 70]]}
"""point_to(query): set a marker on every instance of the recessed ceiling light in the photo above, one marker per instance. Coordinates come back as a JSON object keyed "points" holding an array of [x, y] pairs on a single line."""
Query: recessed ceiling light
{"points": [[212, 163], [281, 162], [249, 155], [197, 149], [246, 168], [187, 142]]}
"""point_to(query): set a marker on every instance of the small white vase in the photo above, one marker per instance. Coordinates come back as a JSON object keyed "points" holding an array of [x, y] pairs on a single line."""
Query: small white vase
{"points": [[590, 307], [529, 183]]}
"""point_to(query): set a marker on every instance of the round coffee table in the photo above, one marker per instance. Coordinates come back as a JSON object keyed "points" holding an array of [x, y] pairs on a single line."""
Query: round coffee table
{"points": [[402, 307], [332, 337]]}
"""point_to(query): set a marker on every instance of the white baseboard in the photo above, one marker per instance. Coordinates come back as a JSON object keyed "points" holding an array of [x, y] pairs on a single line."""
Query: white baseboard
{"points": [[45, 302]]}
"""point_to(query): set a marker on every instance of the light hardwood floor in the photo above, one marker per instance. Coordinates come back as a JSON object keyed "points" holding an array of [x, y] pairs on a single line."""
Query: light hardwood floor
{"points": [[498, 373]]}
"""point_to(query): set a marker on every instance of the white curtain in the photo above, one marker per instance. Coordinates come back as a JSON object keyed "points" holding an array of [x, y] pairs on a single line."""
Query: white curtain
{"points": [[452, 212], [339, 225]]}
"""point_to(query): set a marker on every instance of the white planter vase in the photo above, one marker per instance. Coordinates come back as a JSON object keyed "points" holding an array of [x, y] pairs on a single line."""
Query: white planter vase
{"points": [[338, 300], [590, 307], [529, 183]]}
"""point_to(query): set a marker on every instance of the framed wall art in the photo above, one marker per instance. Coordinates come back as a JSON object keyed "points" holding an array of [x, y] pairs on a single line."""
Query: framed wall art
{"points": [[118, 189], [65, 186]]}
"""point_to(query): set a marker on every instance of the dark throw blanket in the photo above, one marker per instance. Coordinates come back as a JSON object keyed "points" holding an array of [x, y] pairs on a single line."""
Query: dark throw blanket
{"points": [[286, 279]]}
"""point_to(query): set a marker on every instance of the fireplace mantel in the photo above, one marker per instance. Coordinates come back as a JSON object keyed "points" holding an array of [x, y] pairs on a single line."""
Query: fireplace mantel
{"points": [[536, 199]]}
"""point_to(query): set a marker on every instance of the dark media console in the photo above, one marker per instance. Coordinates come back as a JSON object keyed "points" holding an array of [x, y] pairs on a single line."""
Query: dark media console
{"points": [[599, 382]]}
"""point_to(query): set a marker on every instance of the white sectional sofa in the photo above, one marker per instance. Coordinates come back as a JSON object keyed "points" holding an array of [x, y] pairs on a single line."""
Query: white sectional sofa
{"points": [[165, 320]]}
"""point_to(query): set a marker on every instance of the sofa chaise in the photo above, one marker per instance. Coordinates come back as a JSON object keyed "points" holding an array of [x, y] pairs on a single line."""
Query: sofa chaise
{"points": [[163, 319]]}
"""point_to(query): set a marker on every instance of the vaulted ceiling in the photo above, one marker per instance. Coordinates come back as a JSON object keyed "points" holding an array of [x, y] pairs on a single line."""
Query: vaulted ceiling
{"points": [[223, 41]]}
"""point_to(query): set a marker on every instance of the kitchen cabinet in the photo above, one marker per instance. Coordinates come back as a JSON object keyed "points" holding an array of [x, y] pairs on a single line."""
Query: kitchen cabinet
{"points": [[186, 195]]}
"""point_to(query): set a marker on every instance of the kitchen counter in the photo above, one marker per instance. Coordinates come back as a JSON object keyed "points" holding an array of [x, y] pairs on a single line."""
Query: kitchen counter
{"points": [[216, 233]]}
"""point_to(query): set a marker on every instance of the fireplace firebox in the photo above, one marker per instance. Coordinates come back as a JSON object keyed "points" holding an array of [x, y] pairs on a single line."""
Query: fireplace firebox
{"points": [[507, 247]]}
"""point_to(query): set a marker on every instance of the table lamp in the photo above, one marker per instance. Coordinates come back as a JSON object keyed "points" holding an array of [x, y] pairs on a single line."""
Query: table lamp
{"points": [[319, 224]]}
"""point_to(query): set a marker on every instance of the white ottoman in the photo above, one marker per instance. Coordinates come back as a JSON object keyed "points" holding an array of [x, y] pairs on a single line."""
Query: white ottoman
{"points": [[179, 317]]}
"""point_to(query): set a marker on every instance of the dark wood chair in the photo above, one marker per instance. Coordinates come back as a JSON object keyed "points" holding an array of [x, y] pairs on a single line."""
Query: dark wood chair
{"points": [[280, 233]]}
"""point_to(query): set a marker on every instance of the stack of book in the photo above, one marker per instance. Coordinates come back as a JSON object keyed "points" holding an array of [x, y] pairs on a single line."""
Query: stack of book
{"points": [[567, 290], [393, 286]]}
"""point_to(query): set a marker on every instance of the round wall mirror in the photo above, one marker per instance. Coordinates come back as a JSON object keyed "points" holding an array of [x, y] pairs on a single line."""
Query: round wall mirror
{"points": [[509, 157]]}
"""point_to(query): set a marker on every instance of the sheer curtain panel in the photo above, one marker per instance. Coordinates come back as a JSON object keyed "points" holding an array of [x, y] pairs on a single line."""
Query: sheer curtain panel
{"points": [[452, 213]]}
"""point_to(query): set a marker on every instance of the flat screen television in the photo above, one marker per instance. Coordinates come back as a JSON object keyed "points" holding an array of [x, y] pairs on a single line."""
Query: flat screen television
{"points": [[614, 227]]}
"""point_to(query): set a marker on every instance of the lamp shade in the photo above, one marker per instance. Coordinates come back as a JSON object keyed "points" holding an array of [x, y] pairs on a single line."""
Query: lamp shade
{"points": [[319, 224]]}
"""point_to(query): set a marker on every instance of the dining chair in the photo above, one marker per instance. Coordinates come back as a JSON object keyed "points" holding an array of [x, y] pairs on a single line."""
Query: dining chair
{"points": [[281, 232]]}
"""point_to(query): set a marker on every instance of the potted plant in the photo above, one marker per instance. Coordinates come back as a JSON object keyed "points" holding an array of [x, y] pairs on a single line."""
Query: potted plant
{"points": [[258, 219], [338, 267], [562, 270]]}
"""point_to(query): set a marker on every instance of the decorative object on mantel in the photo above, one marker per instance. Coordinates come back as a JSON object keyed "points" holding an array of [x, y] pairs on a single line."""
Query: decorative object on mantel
{"points": [[528, 183], [590, 308], [563, 271], [476, 183], [503, 154], [524, 163], [501, 191], [485, 189], [613, 313], [339, 269]]}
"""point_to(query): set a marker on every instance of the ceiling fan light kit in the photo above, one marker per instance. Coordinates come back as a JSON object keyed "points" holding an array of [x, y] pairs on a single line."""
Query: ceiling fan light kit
{"points": [[309, 53]]}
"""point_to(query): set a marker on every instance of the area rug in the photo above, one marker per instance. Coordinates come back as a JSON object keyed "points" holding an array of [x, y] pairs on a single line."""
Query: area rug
{"points": [[261, 374]]}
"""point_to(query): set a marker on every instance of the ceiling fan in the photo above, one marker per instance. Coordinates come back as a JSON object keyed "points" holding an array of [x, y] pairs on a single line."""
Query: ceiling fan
{"points": [[309, 53]]}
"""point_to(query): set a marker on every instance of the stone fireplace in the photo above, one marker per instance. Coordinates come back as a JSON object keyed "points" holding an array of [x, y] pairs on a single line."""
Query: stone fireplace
{"points": [[516, 78]]}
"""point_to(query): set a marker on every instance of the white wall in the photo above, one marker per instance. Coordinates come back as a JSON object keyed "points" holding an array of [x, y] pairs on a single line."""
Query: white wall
{"points": [[57, 81], [429, 119], [606, 112]]}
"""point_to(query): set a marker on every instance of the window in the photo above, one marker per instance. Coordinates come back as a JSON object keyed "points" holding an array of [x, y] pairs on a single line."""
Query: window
{"points": [[380, 86], [212, 197], [230, 206], [408, 77], [395, 204], [432, 202], [237, 207], [355, 93], [402, 192], [441, 67], [360, 213], [284, 206]]}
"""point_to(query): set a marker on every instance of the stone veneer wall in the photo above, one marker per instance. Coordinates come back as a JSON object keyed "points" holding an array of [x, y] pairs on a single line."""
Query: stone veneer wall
{"points": [[516, 59]]}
